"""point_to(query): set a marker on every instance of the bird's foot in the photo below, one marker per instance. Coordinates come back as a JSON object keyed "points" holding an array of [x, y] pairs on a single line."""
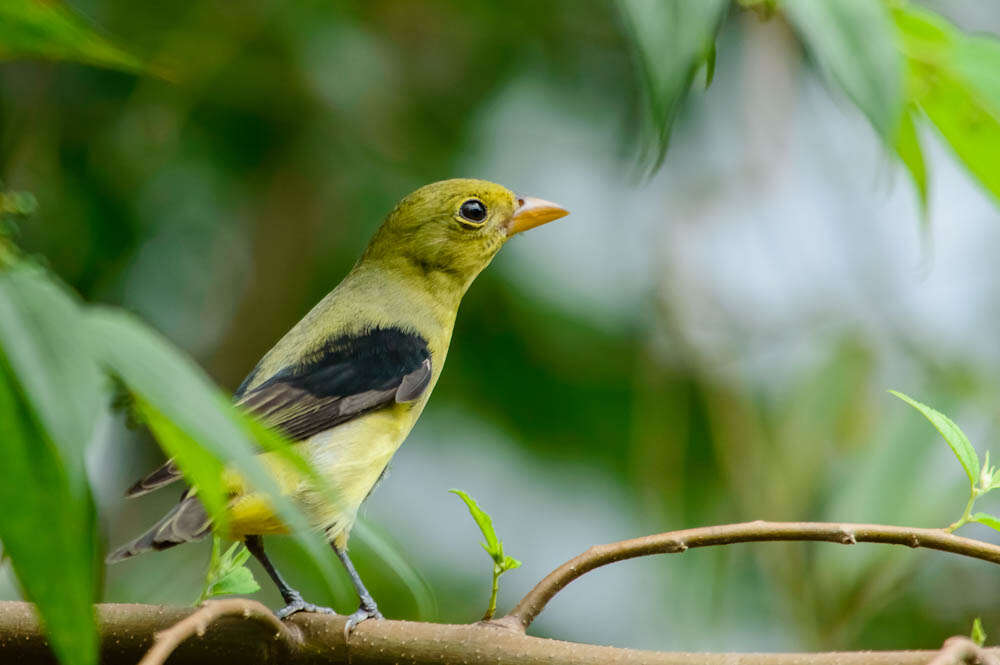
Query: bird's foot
{"points": [[367, 610], [297, 604]]}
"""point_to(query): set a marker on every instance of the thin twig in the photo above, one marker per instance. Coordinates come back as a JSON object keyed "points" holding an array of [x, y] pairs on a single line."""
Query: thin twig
{"points": [[748, 532], [960, 650], [198, 622]]}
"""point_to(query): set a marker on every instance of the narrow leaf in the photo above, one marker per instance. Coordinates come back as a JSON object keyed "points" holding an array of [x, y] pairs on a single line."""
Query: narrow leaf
{"points": [[484, 521], [670, 40], [951, 432], [955, 79], [853, 41], [50, 30], [50, 397], [908, 149], [987, 519], [46, 527]]}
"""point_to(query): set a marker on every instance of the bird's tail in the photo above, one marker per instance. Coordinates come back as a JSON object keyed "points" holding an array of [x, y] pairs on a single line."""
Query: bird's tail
{"points": [[185, 522]]}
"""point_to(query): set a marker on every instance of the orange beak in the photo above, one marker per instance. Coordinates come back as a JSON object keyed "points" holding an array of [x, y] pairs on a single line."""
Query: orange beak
{"points": [[532, 212]]}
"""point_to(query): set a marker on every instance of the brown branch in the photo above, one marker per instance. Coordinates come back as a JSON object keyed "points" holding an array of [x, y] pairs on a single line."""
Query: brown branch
{"points": [[196, 623], [675, 542], [128, 631], [960, 650]]}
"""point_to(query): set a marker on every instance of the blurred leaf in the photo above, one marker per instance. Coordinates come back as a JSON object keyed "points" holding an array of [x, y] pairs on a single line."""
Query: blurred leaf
{"points": [[987, 519], [959, 443], [853, 41], [167, 380], [50, 30], [227, 573], [710, 65], [400, 563], [49, 400], [485, 523], [670, 39], [954, 78], [907, 145], [978, 634]]}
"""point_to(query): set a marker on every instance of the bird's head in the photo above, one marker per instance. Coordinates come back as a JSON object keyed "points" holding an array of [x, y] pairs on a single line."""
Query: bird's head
{"points": [[456, 227]]}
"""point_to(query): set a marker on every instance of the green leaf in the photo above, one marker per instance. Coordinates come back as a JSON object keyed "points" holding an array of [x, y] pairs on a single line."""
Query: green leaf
{"points": [[959, 443], [169, 382], [228, 573], [49, 400], [853, 41], [510, 563], [987, 519], [954, 79], [485, 523], [710, 65], [670, 40], [978, 634], [50, 30], [908, 149]]}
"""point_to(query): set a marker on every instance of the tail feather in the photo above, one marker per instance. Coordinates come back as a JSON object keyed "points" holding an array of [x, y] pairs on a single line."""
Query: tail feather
{"points": [[185, 522], [161, 477]]}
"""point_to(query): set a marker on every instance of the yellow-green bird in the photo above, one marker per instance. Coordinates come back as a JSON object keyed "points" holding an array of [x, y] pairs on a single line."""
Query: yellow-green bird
{"points": [[351, 378]]}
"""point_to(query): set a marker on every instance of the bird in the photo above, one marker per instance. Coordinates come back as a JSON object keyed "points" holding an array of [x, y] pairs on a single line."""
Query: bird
{"points": [[349, 380]]}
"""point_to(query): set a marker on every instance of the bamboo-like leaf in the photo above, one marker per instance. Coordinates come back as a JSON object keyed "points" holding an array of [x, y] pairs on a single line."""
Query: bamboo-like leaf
{"points": [[955, 79], [908, 149], [951, 432], [50, 396], [853, 41], [50, 30], [670, 40]]}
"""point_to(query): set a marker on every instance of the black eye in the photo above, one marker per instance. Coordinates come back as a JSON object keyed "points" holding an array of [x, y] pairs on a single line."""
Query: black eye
{"points": [[473, 210]]}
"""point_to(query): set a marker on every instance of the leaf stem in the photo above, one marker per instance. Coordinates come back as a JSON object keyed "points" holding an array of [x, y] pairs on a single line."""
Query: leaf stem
{"points": [[967, 515], [492, 607]]}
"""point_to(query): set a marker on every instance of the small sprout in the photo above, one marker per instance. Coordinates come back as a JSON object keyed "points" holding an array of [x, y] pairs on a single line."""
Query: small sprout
{"points": [[227, 572], [493, 546], [978, 635]]}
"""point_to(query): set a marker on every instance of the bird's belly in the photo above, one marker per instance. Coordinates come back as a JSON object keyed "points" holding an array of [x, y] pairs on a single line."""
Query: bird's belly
{"points": [[349, 457]]}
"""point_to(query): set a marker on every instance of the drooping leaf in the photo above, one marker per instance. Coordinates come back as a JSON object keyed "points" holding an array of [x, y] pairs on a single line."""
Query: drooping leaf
{"points": [[485, 524], [165, 379], [908, 148], [49, 400], [50, 30], [853, 41], [951, 432], [989, 520], [670, 40], [954, 79]]}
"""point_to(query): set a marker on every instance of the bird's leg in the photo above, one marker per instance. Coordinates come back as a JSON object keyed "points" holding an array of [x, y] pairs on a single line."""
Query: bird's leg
{"points": [[293, 599], [367, 609]]}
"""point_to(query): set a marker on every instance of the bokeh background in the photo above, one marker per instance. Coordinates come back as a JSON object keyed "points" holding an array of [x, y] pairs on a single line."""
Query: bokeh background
{"points": [[711, 344]]}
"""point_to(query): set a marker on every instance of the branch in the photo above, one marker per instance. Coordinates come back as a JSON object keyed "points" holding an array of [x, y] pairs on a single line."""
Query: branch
{"points": [[128, 631], [198, 622], [960, 650], [675, 542]]}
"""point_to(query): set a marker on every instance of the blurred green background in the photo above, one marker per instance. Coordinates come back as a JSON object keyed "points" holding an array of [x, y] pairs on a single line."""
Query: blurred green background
{"points": [[708, 345]]}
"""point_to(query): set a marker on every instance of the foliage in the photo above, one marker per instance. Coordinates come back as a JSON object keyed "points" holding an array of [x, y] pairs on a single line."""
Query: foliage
{"points": [[982, 477], [896, 63], [493, 546], [227, 572], [978, 633]]}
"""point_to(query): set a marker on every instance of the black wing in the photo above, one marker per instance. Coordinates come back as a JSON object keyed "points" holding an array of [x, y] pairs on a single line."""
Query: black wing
{"points": [[349, 376]]}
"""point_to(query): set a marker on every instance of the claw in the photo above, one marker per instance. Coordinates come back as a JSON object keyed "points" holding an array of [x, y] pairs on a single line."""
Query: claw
{"points": [[367, 611], [299, 605]]}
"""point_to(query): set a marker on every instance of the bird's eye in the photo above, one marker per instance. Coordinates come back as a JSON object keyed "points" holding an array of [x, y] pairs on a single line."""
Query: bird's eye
{"points": [[473, 210]]}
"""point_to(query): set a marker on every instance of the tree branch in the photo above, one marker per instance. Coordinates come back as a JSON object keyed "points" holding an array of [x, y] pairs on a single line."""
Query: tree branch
{"points": [[675, 542], [198, 622], [960, 650], [128, 631]]}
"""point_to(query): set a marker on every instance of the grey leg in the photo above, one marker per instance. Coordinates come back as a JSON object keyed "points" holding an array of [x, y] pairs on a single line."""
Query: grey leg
{"points": [[367, 609], [292, 598]]}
